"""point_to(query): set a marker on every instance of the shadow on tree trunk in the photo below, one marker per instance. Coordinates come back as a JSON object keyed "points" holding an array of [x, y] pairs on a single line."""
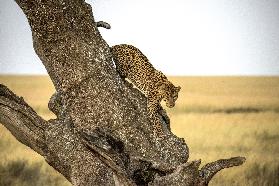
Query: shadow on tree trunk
{"points": [[102, 134]]}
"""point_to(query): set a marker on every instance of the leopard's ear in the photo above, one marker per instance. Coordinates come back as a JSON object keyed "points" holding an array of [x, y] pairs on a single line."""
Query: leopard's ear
{"points": [[178, 88]]}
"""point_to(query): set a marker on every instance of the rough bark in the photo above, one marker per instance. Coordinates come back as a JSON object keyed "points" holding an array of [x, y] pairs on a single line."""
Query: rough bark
{"points": [[102, 134]]}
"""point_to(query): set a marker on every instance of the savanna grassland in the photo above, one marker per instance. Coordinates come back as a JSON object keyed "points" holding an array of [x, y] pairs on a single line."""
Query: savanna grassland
{"points": [[219, 117]]}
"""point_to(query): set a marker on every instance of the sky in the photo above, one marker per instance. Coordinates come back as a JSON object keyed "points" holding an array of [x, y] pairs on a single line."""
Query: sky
{"points": [[179, 37]]}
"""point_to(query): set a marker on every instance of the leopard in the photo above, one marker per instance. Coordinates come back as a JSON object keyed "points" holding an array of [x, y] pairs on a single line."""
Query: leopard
{"points": [[132, 64]]}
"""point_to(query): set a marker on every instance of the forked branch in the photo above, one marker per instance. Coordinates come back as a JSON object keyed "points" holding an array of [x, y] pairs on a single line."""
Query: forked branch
{"points": [[103, 135], [209, 170]]}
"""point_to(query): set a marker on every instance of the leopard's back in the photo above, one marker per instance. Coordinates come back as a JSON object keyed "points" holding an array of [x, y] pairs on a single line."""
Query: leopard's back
{"points": [[131, 63]]}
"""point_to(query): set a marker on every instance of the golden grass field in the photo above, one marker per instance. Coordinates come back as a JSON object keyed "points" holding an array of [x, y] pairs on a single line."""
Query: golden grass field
{"points": [[219, 117]]}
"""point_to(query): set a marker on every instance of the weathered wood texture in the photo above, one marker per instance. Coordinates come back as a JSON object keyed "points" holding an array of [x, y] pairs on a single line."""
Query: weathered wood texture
{"points": [[102, 134]]}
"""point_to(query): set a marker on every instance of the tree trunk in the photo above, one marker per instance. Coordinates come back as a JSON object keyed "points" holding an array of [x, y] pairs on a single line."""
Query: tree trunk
{"points": [[102, 134]]}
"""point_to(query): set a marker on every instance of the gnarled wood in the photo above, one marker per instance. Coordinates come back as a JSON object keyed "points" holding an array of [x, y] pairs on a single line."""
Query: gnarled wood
{"points": [[102, 134], [22, 120]]}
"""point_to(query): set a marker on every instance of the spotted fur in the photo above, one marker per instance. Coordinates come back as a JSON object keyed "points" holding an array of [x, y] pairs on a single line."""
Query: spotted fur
{"points": [[131, 63]]}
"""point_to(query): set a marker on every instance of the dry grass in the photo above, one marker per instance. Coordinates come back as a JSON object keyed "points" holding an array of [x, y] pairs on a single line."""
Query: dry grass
{"points": [[217, 93], [219, 117], [36, 91]]}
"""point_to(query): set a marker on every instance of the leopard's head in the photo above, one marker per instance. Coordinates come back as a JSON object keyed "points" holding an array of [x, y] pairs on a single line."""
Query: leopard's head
{"points": [[170, 94]]}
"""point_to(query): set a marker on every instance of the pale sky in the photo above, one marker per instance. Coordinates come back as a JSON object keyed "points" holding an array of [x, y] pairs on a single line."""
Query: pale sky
{"points": [[180, 37]]}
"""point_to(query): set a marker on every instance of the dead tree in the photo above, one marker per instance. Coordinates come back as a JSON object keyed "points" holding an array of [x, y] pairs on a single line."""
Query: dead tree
{"points": [[102, 134]]}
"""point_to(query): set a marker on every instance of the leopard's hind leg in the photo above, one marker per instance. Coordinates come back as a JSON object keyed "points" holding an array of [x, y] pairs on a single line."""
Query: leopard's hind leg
{"points": [[153, 106], [121, 72]]}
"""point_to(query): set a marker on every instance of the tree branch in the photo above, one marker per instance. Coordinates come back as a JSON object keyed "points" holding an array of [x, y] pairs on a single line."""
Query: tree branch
{"points": [[209, 170], [22, 121], [54, 140], [102, 134], [103, 24]]}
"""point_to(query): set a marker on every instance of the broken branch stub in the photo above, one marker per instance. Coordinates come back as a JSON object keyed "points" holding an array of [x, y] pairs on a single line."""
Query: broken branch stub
{"points": [[102, 134]]}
